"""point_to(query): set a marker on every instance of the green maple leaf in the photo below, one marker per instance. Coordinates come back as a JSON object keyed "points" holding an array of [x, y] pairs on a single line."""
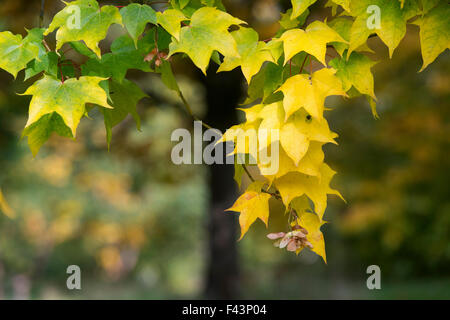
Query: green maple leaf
{"points": [[48, 63], [16, 53], [288, 23], [167, 76], [123, 56], [253, 53], [434, 33], [392, 23], [125, 97], [271, 76], [264, 83], [94, 23], [355, 72], [67, 99], [207, 32], [135, 17], [81, 48], [180, 3], [40, 131]]}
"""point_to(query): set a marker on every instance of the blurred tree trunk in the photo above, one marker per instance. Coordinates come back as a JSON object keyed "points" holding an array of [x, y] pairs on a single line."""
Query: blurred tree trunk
{"points": [[222, 274]]}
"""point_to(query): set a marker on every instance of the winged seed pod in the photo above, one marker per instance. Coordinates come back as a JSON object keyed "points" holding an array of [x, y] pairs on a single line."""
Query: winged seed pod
{"points": [[292, 241]]}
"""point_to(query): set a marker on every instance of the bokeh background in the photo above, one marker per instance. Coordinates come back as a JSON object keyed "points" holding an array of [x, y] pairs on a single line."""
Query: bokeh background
{"points": [[141, 227]]}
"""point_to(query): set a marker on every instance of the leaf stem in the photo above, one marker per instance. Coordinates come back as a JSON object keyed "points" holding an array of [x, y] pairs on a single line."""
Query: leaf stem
{"points": [[303, 64], [62, 75], [276, 195]]}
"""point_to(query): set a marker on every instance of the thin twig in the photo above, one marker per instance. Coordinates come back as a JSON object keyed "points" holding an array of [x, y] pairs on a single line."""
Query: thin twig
{"points": [[46, 45], [276, 195], [41, 23], [41, 14], [273, 194], [189, 110], [248, 173]]}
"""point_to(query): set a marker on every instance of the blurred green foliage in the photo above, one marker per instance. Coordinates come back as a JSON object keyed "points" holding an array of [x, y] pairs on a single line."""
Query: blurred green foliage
{"points": [[127, 213]]}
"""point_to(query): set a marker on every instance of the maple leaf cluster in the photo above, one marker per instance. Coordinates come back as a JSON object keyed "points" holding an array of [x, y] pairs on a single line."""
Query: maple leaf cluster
{"points": [[282, 94]]}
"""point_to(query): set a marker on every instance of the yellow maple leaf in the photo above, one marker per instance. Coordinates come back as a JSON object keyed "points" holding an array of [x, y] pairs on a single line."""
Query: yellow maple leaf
{"points": [[245, 138], [295, 137], [311, 222], [299, 130], [296, 184], [252, 204], [312, 40], [299, 91], [310, 163]]}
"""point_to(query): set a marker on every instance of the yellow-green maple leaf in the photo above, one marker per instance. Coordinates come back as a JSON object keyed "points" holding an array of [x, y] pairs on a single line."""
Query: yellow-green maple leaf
{"points": [[253, 53], [296, 184], [299, 91], [287, 23], [15, 52], [300, 6], [355, 72], [171, 20], [67, 99], [41, 130], [392, 23], [207, 32], [434, 33], [313, 40], [343, 3], [94, 23], [343, 25], [253, 204]]}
